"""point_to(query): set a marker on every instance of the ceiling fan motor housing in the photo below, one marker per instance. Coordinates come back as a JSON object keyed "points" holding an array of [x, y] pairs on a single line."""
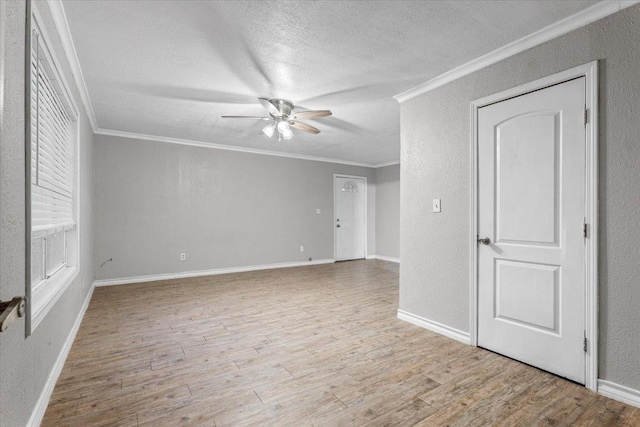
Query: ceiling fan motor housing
{"points": [[281, 112], [284, 107]]}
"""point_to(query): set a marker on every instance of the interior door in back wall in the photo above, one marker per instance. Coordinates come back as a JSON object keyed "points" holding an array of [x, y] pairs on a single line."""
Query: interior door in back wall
{"points": [[349, 218]]}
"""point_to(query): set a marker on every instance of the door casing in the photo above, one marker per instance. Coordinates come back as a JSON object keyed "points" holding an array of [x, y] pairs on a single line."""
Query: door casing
{"points": [[590, 72], [335, 230]]}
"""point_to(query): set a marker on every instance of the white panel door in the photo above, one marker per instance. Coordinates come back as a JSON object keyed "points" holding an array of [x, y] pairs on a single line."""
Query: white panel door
{"points": [[531, 206], [350, 218]]}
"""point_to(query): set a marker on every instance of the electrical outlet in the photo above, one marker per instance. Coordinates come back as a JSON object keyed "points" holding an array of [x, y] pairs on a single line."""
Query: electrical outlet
{"points": [[301, 248], [318, 211], [183, 257]]}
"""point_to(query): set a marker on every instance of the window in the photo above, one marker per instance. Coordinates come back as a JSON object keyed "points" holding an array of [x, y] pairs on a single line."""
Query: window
{"points": [[54, 153]]}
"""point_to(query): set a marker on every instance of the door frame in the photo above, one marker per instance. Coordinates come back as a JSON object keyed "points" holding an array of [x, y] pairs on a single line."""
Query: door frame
{"points": [[366, 204], [590, 72]]}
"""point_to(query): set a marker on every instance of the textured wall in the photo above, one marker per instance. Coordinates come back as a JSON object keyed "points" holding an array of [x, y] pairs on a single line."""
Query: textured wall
{"points": [[25, 363], [222, 208], [435, 163], [388, 211]]}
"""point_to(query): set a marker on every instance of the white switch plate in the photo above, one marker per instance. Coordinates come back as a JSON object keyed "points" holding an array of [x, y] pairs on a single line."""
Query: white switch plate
{"points": [[301, 248], [318, 211], [436, 205], [183, 257]]}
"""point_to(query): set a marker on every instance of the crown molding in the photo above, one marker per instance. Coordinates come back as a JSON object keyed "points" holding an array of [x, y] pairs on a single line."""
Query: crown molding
{"points": [[557, 29], [145, 137], [391, 163], [62, 28]]}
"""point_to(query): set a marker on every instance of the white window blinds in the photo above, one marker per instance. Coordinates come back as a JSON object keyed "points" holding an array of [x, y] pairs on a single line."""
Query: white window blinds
{"points": [[53, 142]]}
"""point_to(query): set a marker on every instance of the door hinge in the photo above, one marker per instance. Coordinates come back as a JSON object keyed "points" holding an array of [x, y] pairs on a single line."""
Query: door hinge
{"points": [[584, 345], [584, 230], [586, 116]]}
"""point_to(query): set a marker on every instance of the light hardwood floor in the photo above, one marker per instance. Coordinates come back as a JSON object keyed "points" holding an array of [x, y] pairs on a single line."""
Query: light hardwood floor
{"points": [[310, 346]]}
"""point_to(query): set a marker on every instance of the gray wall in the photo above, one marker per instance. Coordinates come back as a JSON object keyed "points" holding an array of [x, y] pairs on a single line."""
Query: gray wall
{"points": [[155, 200], [25, 363], [388, 211], [434, 279]]}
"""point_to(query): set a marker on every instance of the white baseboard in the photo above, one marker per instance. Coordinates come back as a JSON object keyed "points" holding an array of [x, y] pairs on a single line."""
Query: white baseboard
{"points": [[387, 258], [228, 270], [439, 328], [619, 392], [43, 400]]}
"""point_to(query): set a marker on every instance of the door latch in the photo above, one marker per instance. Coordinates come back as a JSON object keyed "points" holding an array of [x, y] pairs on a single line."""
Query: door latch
{"points": [[483, 240], [10, 311]]}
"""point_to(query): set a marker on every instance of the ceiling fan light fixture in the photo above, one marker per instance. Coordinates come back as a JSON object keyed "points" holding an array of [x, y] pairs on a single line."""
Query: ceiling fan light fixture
{"points": [[283, 118], [269, 129], [283, 127]]}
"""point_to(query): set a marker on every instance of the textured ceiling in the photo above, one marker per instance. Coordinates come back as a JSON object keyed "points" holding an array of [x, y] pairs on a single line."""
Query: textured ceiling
{"points": [[172, 68]]}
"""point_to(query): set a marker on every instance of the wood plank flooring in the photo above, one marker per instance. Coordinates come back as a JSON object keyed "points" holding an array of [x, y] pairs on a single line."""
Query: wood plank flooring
{"points": [[310, 346]]}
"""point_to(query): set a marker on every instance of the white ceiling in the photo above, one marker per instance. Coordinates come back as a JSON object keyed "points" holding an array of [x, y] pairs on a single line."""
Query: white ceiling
{"points": [[172, 68]]}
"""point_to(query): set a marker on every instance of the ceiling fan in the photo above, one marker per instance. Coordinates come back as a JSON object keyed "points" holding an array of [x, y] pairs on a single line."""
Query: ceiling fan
{"points": [[283, 118]]}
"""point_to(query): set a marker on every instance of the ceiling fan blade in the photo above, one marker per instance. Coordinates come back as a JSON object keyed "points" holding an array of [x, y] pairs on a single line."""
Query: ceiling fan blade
{"points": [[247, 117], [303, 126], [311, 114], [269, 106]]}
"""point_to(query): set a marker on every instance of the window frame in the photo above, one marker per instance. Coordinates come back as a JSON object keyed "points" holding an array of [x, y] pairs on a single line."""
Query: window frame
{"points": [[42, 297]]}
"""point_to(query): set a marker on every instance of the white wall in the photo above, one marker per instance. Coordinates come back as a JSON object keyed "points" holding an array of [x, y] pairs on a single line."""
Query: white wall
{"points": [[388, 211], [26, 363], [434, 278], [224, 209]]}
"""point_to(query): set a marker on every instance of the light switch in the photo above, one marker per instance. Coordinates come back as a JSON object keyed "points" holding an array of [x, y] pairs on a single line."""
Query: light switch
{"points": [[436, 205]]}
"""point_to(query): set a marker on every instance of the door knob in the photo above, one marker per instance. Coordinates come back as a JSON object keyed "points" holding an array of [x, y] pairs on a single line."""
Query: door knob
{"points": [[10, 311], [484, 240]]}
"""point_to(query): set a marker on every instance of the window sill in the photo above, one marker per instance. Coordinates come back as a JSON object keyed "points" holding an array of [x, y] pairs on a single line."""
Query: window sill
{"points": [[48, 293]]}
